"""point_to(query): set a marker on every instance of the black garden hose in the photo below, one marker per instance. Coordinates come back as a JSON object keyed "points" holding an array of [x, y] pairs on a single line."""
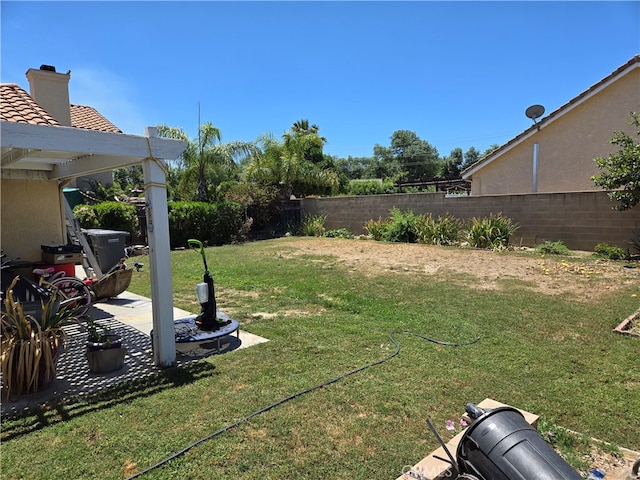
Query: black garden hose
{"points": [[300, 393]]}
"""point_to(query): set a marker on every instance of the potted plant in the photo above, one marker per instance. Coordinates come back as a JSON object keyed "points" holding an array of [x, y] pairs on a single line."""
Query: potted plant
{"points": [[31, 343], [105, 352]]}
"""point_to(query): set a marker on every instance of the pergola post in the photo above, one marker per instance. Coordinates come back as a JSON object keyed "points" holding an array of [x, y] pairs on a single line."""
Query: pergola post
{"points": [[164, 346]]}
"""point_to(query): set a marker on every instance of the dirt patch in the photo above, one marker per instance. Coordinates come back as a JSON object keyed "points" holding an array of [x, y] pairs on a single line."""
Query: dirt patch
{"points": [[616, 467], [580, 274]]}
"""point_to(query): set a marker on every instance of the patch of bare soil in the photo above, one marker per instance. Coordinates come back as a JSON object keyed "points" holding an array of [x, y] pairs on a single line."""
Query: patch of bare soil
{"points": [[616, 467], [580, 275]]}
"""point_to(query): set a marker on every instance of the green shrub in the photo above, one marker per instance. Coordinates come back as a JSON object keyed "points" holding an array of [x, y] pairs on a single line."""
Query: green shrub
{"points": [[187, 220], [552, 248], [117, 216], [425, 228], [86, 216], [365, 187], [376, 228], [211, 223], [491, 232], [401, 227], [446, 230], [611, 252], [261, 204], [313, 225], [228, 225], [338, 233]]}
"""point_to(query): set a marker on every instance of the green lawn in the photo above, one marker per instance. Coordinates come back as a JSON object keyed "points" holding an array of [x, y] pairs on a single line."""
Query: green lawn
{"points": [[551, 355]]}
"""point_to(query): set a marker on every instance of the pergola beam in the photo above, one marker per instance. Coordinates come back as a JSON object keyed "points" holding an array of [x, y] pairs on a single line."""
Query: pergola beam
{"points": [[90, 164], [78, 142]]}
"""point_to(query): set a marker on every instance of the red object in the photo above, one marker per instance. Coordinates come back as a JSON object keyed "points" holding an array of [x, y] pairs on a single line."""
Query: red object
{"points": [[69, 269]]}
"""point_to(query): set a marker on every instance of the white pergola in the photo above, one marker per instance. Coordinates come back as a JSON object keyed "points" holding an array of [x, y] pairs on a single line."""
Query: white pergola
{"points": [[61, 154]]}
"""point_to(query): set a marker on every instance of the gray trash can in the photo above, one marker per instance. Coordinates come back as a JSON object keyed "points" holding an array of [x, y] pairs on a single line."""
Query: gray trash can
{"points": [[107, 246]]}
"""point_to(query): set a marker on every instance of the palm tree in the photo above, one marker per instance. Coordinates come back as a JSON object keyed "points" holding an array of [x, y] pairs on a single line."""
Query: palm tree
{"points": [[308, 138], [285, 165], [207, 155]]}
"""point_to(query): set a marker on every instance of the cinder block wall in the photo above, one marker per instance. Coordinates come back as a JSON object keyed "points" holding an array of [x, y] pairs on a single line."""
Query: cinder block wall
{"points": [[580, 219]]}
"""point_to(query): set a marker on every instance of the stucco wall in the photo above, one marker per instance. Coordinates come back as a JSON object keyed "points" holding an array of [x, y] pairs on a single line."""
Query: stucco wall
{"points": [[581, 219], [30, 216], [567, 146]]}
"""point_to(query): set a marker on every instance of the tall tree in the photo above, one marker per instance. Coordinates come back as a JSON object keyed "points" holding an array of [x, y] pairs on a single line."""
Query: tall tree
{"points": [[451, 165], [621, 170], [296, 164], [207, 158], [492, 148], [307, 139], [417, 157], [471, 156], [386, 165], [360, 167]]}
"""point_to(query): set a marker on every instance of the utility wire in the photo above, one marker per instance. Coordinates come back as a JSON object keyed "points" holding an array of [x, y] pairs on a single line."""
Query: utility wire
{"points": [[300, 393]]}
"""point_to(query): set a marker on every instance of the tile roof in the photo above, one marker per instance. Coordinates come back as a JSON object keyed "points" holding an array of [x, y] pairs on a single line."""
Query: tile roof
{"points": [[83, 116], [16, 105]]}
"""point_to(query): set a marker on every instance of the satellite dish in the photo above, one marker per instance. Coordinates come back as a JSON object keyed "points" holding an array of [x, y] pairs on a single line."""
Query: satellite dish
{"points": [[533, 112]]}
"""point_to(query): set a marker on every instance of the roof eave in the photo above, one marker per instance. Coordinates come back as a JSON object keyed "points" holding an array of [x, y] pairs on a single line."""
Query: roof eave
{"points": [[555, 115]]}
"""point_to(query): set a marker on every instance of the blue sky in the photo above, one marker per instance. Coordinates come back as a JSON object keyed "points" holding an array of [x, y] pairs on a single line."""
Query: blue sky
{"points": [[458, 74]]}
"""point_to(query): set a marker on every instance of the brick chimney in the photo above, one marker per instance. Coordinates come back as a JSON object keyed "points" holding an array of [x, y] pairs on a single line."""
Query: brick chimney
{"points": [[51, 91]]}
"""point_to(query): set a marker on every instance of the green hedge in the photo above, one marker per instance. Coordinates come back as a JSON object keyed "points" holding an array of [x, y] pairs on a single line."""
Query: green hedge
{"points": [[118, 216], [211, 223], [371, 187]]}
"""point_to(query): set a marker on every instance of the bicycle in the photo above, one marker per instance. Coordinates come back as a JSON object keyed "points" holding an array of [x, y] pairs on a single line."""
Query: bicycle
{"points": [[74, 292]]}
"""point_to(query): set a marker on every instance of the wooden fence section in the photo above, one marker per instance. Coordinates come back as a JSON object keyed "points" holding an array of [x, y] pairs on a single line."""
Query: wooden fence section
{"points": [[580, 219]]}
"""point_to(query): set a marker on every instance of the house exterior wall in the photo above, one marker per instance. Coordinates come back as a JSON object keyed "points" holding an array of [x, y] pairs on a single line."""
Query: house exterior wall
{"points": [[567, 146], [30, 216], [580, 219]]}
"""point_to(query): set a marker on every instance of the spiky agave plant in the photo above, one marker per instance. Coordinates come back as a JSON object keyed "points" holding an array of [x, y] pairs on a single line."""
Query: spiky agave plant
{"points": [[30, 347]]}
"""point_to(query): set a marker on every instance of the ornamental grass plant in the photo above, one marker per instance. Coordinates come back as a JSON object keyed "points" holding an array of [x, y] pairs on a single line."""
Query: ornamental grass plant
{"points": [[30, 346]]}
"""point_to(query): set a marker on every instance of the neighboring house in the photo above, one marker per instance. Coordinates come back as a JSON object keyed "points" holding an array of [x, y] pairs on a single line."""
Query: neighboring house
{"points": [[46, 144], [557, 155]]}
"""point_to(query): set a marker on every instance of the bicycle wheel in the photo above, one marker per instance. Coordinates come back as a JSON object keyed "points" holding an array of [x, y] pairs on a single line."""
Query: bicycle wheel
{"points": [[75, 292]]}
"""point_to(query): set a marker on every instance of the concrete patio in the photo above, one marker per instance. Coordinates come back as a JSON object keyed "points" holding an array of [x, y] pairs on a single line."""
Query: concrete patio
{"points": [[130, 316]]}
